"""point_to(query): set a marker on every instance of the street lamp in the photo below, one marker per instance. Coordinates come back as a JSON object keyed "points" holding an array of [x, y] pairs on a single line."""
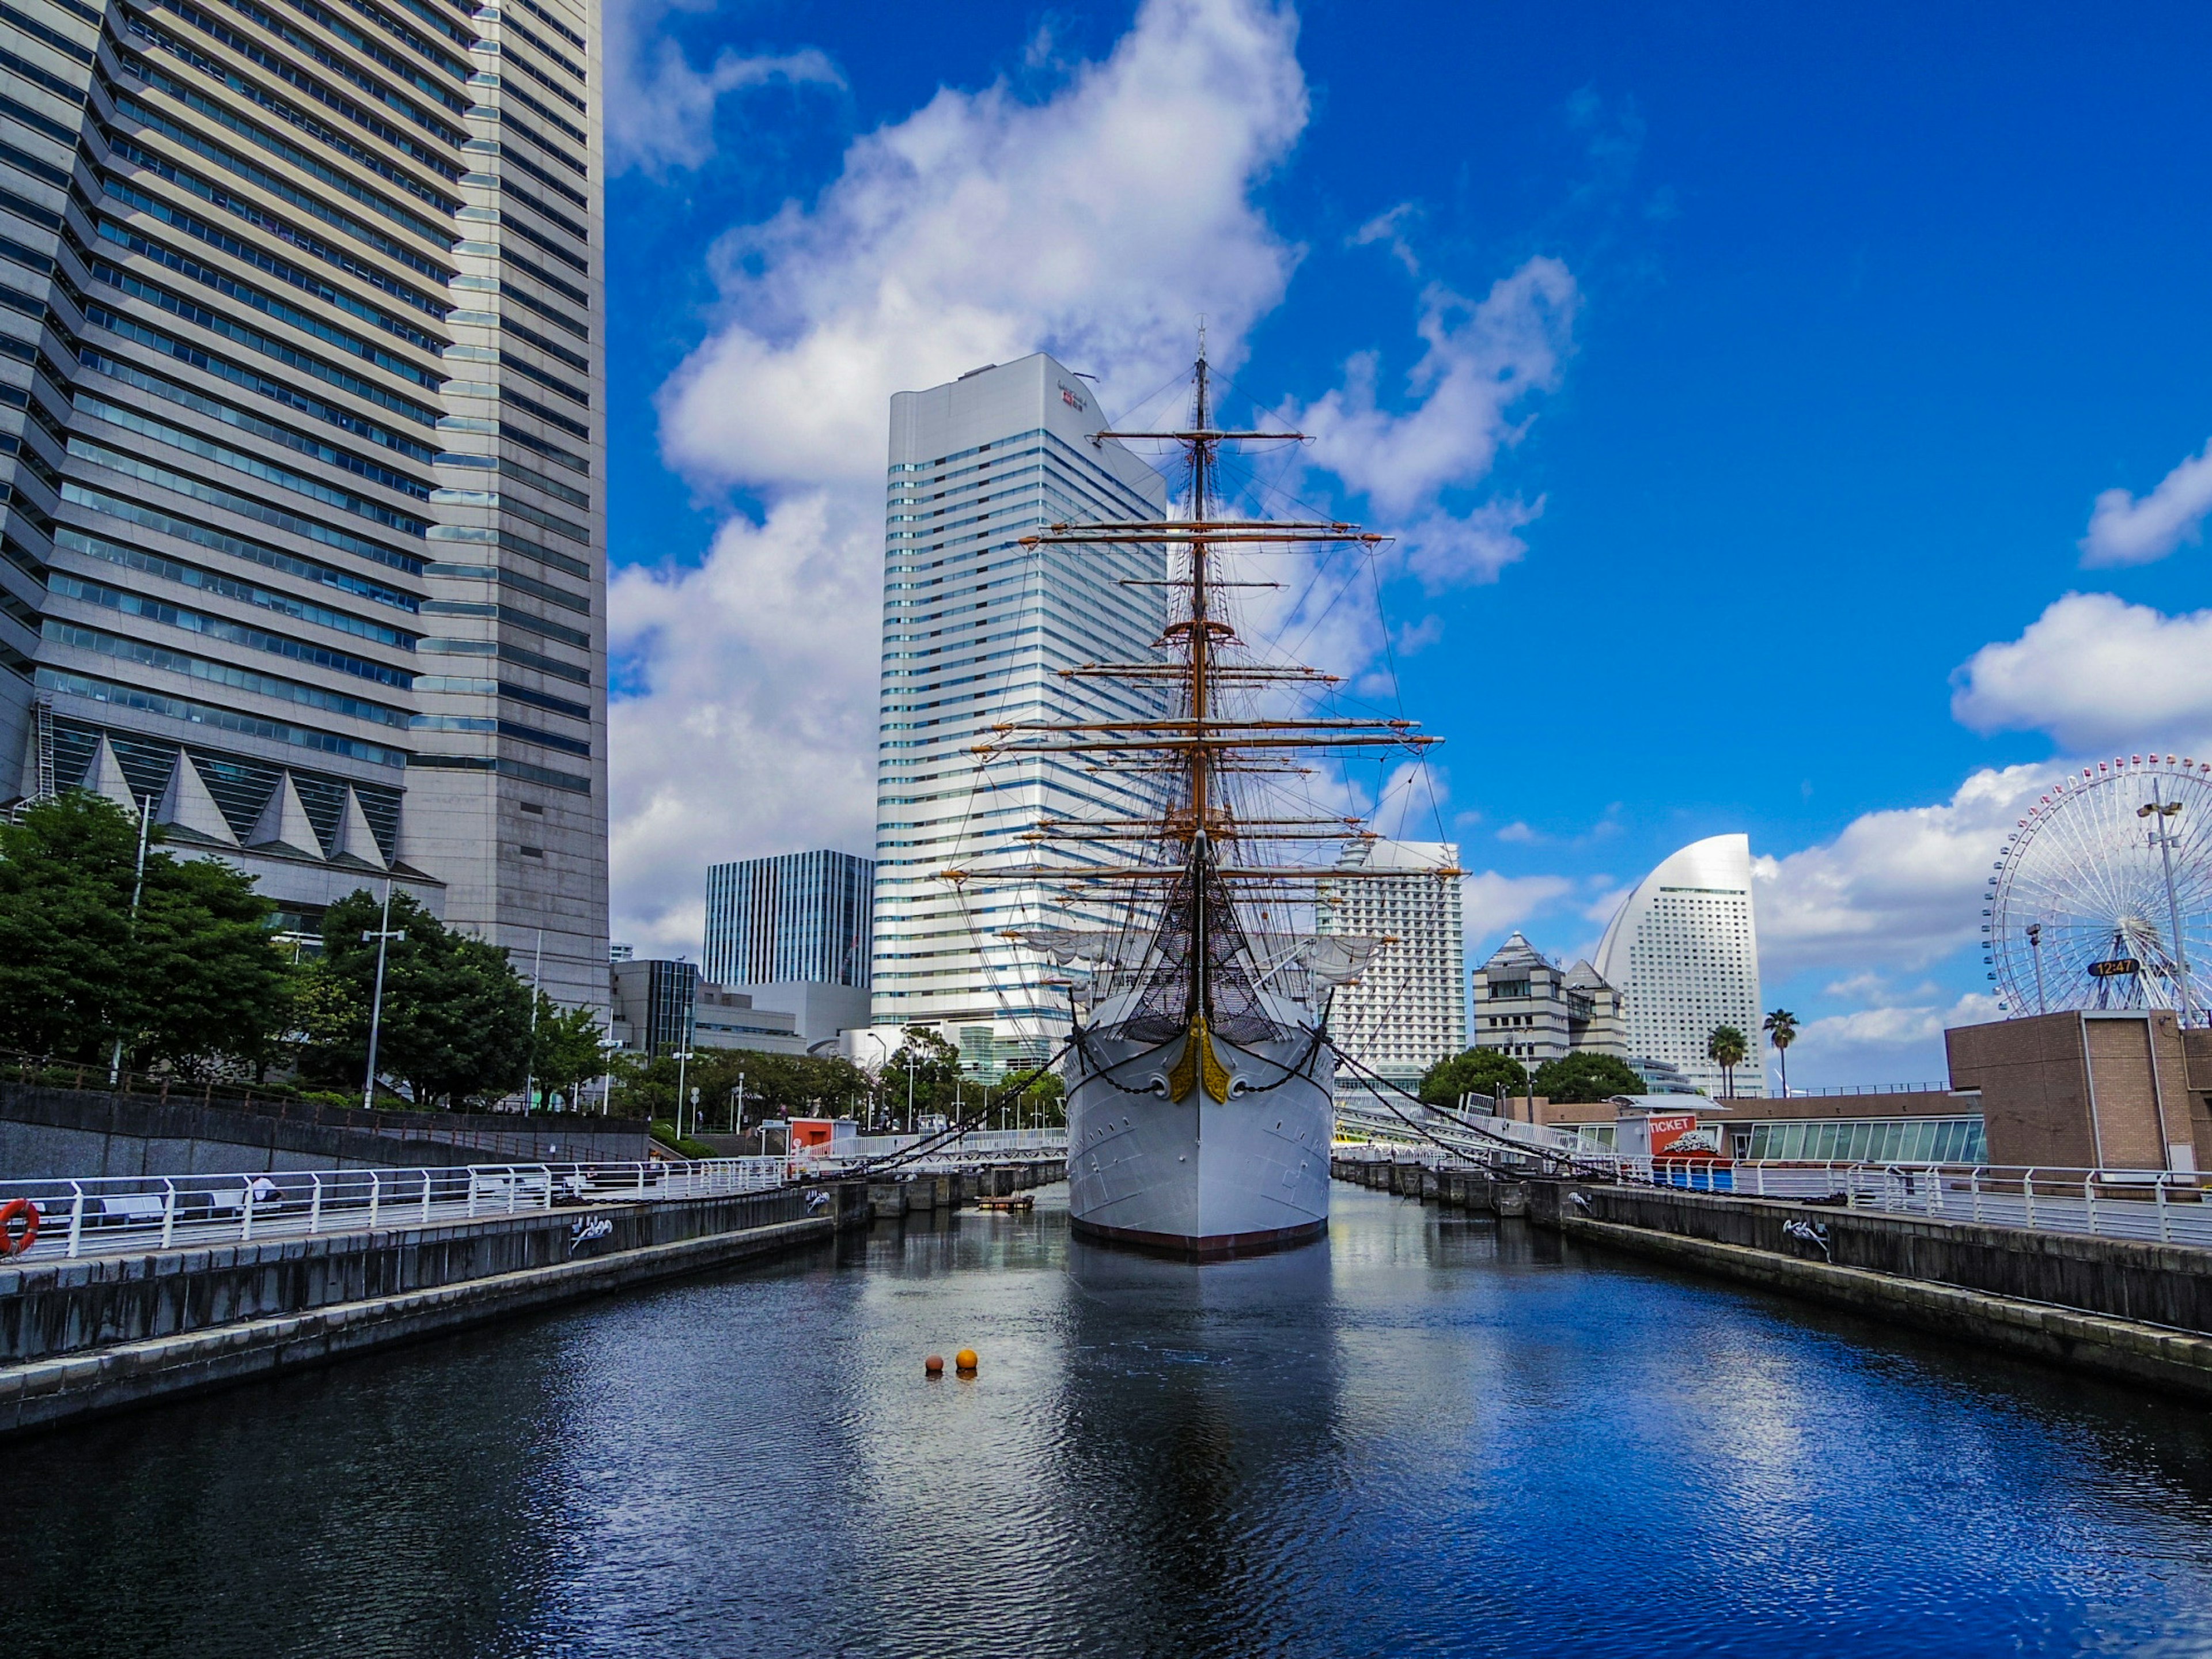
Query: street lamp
{"points": [[683, 1058], [609, 1048], [2165, 840], [2035, 955], [383, 936]]}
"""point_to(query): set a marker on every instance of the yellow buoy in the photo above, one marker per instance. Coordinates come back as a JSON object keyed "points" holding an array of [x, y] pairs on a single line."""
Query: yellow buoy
{"points": [[965, 1360]]}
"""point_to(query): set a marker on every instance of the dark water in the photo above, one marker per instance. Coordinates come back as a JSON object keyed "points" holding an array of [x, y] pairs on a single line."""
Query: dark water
{"points": [[1429, 1436]]}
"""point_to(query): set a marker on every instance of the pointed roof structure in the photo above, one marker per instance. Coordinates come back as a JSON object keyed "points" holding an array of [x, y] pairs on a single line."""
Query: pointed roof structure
{"points": [[188, 812], [1516, 953], [357, 843], [283, 826], [105, 777]]}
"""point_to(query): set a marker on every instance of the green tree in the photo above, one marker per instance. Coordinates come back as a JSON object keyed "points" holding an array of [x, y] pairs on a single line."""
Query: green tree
{"points": [[1583, 1078], [566, 1049], [1042, 1104], [1727, 1049], [1472, 1072], [191, 980], [932, 1066], [211, 988], [456, 1021], [65, 947], [1782, 1031], [779, 1086]]}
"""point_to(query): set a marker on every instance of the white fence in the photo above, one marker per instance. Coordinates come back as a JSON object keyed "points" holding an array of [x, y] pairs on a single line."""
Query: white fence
{"points": [[2162, 1206], [129, 1214], [1475, 1138], [973, 1146]]}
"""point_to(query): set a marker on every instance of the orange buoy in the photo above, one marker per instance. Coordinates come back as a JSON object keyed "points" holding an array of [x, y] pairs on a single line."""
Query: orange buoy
{"points": [[934, 1365], [19, 1226], [965, 1360]]}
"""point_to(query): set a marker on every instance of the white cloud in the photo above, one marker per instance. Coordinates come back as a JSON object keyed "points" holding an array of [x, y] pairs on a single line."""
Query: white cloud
{"points": [[1899, 1043], [1483, 359], [659, 109], [1489, 902], [2096, 672], [1897, 890], [719, 760], [1098, 223], [2125, 529]]}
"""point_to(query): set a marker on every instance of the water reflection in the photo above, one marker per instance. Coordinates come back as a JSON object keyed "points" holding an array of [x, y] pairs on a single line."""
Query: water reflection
{"points": [[1428, 1433]]}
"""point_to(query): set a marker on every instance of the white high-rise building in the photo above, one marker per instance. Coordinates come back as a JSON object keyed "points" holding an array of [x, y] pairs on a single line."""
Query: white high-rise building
{"points": [[1407, 1009], [975, 627], [1683, 950]]}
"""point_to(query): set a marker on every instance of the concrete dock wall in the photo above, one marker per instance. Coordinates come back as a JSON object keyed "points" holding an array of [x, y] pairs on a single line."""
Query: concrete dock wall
{"points": [[77, 1133], [2166, 1284], [103, 1333], [2130, 1311]]}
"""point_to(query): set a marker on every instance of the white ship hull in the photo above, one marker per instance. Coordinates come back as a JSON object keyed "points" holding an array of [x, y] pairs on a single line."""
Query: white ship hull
{"points": [[1199, 1178]]}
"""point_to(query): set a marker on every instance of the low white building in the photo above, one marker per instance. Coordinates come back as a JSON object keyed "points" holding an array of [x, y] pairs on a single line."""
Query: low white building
{"points": [[1528, 1007]]}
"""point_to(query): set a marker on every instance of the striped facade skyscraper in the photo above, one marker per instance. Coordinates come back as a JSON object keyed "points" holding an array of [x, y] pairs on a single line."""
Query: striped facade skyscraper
{"points": [[1408, 1008], [302, 436], [974, 627], [799, 917]]}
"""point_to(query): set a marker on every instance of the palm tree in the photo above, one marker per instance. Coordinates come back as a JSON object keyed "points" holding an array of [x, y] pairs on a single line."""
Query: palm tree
{"points": [[1726, 1048], [1782, 1031]]}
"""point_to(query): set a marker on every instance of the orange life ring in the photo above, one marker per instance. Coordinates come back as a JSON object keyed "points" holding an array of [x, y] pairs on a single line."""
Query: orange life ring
{"points": [[15, 1211]]}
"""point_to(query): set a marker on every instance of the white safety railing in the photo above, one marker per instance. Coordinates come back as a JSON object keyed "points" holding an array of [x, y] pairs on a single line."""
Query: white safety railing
{"points": [[972, 1147], [1365, 1134], [110, 1215], [2158, 1206]]}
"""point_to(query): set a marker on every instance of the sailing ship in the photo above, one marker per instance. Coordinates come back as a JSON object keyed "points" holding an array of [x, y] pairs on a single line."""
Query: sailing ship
{"points": [[1199, 1077]]}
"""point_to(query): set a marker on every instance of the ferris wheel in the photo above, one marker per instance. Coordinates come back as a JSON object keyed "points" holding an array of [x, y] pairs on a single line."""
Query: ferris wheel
{"points": [[2103, 895]]}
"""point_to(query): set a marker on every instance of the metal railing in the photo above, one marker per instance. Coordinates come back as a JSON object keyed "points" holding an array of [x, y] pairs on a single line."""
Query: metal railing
{"points": [[2158, 1206], [105, 1216], [971, 1146], [2155, 1205]]}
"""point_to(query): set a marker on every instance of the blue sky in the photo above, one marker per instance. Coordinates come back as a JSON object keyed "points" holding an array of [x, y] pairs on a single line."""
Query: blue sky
{"points": [[1776, 364]]}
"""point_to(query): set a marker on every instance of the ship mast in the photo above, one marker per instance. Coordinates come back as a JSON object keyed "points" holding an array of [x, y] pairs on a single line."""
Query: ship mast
{"points": [[1201, 464], [1201, 741]]}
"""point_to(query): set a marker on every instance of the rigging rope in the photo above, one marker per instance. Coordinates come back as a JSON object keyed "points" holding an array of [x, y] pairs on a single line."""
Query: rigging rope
{"points": [[1556, 1158]]}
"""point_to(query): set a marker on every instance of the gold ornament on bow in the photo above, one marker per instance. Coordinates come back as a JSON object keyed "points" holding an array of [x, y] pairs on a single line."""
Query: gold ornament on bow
{"points": [[1198, 1063]]}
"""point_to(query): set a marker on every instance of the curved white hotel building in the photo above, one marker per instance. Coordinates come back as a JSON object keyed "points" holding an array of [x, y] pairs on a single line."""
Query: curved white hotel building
{"points": [[1683, 950]]}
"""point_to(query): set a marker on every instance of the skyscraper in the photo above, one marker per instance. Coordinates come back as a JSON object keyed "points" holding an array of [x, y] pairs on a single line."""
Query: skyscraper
{"points": [[797, 916], [1683, 950], [1408, 1008], [301, 403], [974, 626]]}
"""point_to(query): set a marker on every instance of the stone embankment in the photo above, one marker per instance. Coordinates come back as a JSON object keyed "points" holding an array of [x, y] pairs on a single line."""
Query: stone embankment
{"points": [[889, 1199], [2129, 1310], [102, 1333]]}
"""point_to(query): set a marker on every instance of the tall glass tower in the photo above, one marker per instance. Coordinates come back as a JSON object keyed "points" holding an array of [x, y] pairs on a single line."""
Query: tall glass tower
{"points": [[301, 445], [1683, 950], [974, 627]]}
